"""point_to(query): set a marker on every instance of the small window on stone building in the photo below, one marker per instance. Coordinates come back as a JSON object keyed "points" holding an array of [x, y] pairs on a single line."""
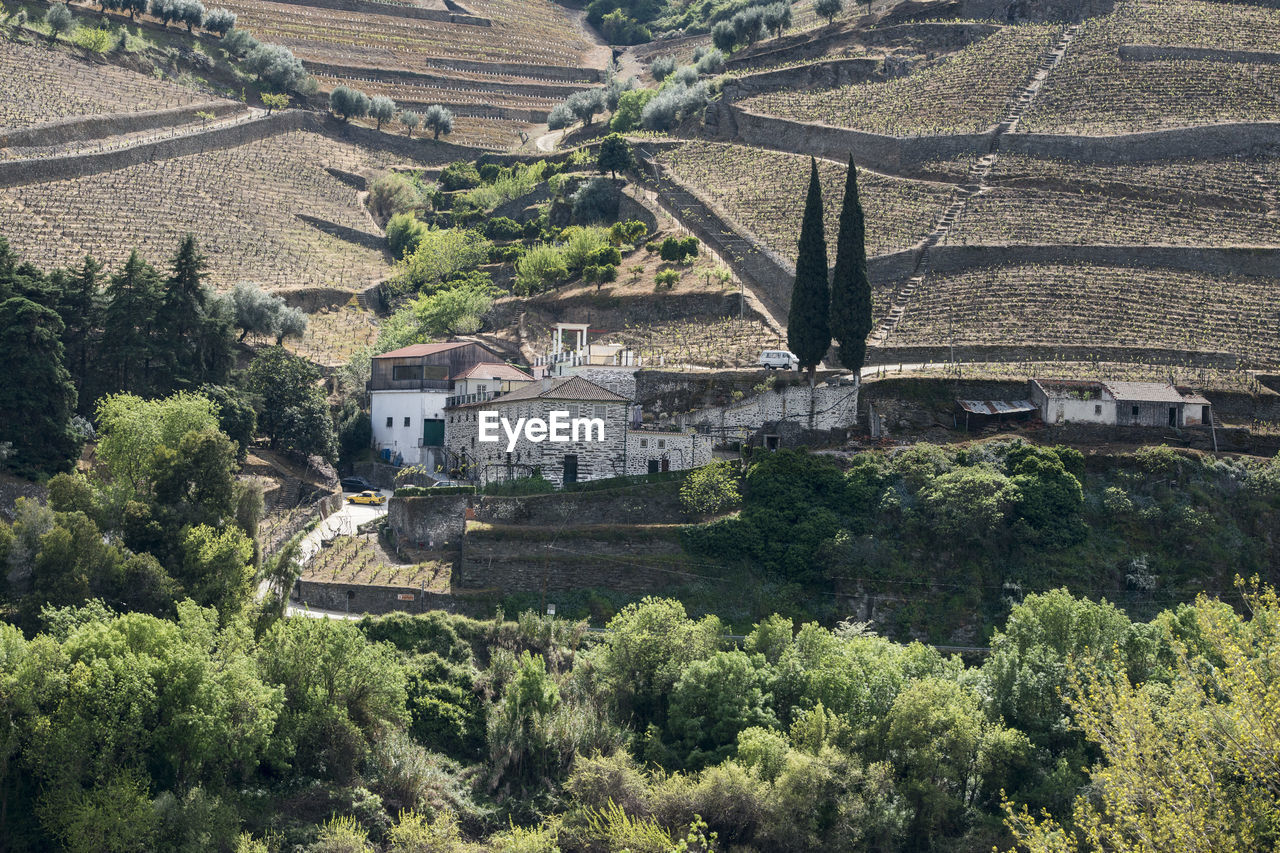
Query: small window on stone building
{"points": [[662, 443], [1097, 410], [600, 412], [1135, 411], [644, 442], [473, 441]]}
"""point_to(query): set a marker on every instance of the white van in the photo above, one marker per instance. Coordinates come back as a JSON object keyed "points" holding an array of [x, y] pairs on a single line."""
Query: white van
{"points": [[779, 359]]}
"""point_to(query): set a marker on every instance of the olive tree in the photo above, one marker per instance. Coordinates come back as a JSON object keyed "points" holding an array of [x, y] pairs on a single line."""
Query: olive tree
{"points": [[410, 120], [59, 20], [381, 108], [349, 103], [220, 21], [439, 120]]}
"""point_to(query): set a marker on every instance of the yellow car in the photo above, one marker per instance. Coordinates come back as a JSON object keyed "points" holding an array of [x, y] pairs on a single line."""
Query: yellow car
{"points": [[367, 497]]}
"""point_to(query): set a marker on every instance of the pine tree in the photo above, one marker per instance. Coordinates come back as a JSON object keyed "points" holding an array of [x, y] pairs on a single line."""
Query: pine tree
{"points": [[128, 324], [79, 307], [182, 310], [808, 329], [850, 286], [37, 399]]}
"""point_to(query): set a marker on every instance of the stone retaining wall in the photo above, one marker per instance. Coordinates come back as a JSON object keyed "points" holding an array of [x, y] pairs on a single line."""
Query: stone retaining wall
{"points": [[83, 128], [436, 522], [537, 90], [634, 565], [1014, 353], [651, 503], [518, 69], [818, 75], [368, 598], [1158, 53], [1214, 140], [395, 10], [824, 407], [21, 172], [1211, 260]]}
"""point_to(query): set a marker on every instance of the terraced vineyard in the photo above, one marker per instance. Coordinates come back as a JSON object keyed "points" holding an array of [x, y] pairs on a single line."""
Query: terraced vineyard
{"points": [[242, 203], [356, 559], [1044, 216], [963, 93], [724, 343], [762, 191], [1094, 91], [1097, 306], [39, 84], [1244, 181]]}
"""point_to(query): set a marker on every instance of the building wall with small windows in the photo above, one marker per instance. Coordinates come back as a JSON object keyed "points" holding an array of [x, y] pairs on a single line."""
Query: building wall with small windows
{"points": [[559, 462], [399, 421], [651, 451]]}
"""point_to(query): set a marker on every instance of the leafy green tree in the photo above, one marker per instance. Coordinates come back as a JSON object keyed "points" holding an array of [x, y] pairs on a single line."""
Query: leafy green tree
{"points": [[221, 21], [715, 699], [441, 254], [711, 489], [808, 329], [540, 268], [630, 107], [851, 318], [195, 481], [292, 411], [724, 37], [277, 67], [217, 567], [777, 17], [341, 693], [38, 399], [132, 429], [615, 155], [647, 647], [597, 200]]}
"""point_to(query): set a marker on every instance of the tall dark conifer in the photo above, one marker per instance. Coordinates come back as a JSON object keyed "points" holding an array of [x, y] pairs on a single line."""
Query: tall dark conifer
{"points": [[851, 319], [808, 326], [79, 306], [182, 311], [128, 325]]}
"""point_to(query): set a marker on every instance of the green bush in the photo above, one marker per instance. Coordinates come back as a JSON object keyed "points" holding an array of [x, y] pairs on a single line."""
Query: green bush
{"points": [[432, 491], [459, 176], [503, 228]]}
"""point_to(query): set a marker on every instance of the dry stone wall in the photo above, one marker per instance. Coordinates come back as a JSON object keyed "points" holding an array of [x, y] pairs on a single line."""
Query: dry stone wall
{"points": [[368, 598], [892, 355], [396, 10], [1156, 53], [651, 503], [82, 128], [830, 406]]}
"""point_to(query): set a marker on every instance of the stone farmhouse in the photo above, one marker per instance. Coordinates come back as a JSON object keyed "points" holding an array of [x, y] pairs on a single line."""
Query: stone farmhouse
{"points": [[1151, 404], [409, 387], [610, 447]]}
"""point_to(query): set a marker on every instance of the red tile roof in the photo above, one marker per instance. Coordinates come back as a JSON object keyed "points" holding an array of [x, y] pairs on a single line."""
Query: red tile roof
{"points": [[494, 370], [423, 349]]}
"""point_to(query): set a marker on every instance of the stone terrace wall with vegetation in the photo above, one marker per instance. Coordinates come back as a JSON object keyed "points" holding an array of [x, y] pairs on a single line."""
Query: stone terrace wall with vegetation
{"points": [[650, 503], [83, 128]]}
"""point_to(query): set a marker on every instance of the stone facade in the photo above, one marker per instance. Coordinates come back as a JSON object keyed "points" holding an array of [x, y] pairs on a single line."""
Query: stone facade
{"points": [[434, 521], [653, 451], [830, 406], [490, 461]]}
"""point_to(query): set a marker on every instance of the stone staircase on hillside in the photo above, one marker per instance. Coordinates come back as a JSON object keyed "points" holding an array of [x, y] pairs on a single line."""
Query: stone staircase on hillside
{"points": [[975, 184]]}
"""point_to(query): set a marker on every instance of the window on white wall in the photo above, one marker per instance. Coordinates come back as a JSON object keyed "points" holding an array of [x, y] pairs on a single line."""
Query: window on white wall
{"points": [[389, 421], [406, 421]]}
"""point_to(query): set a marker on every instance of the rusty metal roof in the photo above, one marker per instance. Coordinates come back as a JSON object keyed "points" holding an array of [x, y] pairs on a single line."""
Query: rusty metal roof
{"points": [[997, 407]]}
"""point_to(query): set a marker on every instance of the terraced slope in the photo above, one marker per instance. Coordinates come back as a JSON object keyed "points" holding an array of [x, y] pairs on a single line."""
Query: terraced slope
{"points": [[39, 84], [512, 70], [1090, 305], [963, 93], [244, 204], [1097, 91], [759, 189]]}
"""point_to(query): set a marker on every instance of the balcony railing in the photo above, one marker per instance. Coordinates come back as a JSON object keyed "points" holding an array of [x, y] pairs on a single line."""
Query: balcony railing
{"points": [[581, 358], [465, 399]]}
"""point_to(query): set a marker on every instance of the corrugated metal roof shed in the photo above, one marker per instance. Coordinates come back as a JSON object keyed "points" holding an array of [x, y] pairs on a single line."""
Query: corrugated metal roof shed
{"points": [[997, 407]]}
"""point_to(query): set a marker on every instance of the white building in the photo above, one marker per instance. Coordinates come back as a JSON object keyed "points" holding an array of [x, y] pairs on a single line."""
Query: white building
{"points": [[1155, 404], [410, 387]]}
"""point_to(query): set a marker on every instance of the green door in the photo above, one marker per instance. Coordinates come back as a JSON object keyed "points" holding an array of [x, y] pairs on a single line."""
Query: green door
{"points": [[432, 433]]}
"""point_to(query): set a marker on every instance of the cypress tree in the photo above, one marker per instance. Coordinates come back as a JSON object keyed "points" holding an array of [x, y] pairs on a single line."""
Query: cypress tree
{"points": [[851, 319], [808, 329], [134, 297]]}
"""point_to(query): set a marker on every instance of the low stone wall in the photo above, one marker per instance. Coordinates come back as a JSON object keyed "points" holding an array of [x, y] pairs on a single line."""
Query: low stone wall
{"points": [[1212, 260], [1214, 140], [651, 503], [356, 72], [930, 34], [1014, 353], [638, 564], [1160, 53], [395, 10], [22, 172], [436, 522], [519, 69], [368, 598], [83, 128], [876, 151], [667, 393], [817, 75]]}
